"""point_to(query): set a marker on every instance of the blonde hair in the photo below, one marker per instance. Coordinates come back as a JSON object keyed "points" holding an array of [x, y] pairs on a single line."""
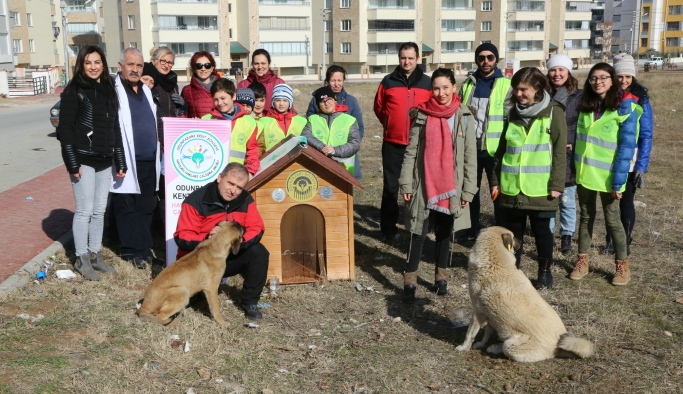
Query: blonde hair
{"points": [[158, 53]]}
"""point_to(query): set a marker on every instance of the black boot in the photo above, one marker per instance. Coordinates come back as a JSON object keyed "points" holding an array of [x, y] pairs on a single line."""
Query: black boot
{"points": [[441, 287], [409, 294], [545, 276], [609, 246], [566, 245]]}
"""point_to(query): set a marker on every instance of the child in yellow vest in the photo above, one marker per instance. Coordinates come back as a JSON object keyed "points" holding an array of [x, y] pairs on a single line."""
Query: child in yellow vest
{"points": [[243, 145], [281, 120], [332, 131]]}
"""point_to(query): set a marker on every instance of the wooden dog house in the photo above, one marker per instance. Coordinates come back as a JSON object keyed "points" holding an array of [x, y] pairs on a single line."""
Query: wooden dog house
{"points": [[306, 201]]}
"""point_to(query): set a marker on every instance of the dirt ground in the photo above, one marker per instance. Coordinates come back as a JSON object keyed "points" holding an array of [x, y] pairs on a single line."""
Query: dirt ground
{"points": [[331, 337]]}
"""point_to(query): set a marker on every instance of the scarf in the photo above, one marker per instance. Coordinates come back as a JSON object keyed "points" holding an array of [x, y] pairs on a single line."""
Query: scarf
{"points": [[264, 79], [168, 82], [439, 167], [527, 113], [561, 95]]}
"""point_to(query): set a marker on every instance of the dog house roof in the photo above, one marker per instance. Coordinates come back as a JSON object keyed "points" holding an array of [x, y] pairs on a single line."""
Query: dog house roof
{"points": [[283, 158]]}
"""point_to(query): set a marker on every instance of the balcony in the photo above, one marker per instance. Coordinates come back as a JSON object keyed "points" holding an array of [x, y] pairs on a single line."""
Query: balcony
{"points": [[284, 2], [391, 4], [185, 1], [81, 8], [527, 6], [184, 27], [457, 5]]}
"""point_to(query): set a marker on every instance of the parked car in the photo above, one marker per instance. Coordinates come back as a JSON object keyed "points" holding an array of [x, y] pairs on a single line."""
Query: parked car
{"points": [[54, 114], [655, 61]]}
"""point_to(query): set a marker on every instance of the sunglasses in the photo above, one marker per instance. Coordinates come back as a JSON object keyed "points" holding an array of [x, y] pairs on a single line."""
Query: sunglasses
{"points": [[490, 58], [199, 66]]}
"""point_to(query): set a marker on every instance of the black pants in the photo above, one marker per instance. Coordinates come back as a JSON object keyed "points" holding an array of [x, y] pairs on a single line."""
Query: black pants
{"points": [[133, 213], [540, 225], [443, 227], [252, 264], [628, 210], [392, 160], [484, 164]]}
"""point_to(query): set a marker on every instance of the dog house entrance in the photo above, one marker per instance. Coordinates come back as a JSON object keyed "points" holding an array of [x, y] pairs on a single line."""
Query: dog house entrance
{"points": [[302, 240]]}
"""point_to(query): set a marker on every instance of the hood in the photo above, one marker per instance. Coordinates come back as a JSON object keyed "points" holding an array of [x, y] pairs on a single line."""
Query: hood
{"points": [[496, 74], [239, 112], [339, 108], [276, 115]]}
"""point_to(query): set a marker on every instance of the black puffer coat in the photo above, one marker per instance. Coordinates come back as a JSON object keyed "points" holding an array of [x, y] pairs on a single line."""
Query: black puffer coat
{"points": [[88, 126], [571, 105]]}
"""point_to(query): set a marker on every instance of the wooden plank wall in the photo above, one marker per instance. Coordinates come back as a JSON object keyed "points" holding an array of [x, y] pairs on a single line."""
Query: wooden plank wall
{"points": [[337, 212]]}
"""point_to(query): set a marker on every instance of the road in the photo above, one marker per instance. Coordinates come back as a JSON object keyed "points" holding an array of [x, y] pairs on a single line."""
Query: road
{"points": [[28, 146]]}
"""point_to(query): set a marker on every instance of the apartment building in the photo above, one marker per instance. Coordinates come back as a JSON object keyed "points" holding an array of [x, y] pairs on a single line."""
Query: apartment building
{"points": [[32, 33], [661, 25], [573, 35], [624, 17], [6, 56]]}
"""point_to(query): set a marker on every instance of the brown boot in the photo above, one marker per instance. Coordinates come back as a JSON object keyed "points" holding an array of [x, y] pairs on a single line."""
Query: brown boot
{"points": [[581, 268], [623, 274], [409, 283], [440, 281]]}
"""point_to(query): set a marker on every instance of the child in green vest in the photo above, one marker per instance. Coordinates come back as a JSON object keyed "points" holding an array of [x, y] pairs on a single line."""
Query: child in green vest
{"points": [[281, 120], [243, 145], [259, 90], [332, 131]]}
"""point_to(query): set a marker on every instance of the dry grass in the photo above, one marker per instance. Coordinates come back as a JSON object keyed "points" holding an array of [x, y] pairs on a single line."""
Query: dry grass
{"points": [[329, 337]]}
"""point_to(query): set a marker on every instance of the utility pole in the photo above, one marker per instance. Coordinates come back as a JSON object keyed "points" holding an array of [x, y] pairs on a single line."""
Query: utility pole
{"points": [[306, 68], [62, 5], [386, 60], [325, 13]]}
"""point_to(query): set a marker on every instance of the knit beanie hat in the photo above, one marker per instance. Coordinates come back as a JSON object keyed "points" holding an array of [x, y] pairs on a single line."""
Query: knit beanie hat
{"points": [[283, 91], [149, 69], [624, 65], [487, 46], [245, 96], [323, 94], [560, 60]]}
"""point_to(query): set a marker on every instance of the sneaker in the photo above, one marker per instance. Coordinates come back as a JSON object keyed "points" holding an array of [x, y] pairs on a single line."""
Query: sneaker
{"points": [[566, 245], [251, 312]]}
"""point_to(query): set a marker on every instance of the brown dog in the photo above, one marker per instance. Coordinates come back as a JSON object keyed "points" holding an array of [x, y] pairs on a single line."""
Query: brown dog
{"points": [[200, 270]]}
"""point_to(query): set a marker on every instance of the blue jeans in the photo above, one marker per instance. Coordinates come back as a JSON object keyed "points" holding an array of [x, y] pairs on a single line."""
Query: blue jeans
{"points": [[90, 192], [567, 212]]}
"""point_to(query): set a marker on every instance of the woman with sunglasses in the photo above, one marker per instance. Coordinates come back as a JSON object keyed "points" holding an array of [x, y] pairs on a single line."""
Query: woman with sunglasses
{"points": [[261, 72], [198, 93], [529, 166], [606, 135]]}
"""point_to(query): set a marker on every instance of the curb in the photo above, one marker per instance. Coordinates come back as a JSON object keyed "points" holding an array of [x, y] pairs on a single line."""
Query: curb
{"points": [[27, 273]]}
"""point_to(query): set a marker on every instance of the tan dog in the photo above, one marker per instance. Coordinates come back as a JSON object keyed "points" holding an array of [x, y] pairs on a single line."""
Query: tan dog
{"points": [[504, 299], [200, 270]]}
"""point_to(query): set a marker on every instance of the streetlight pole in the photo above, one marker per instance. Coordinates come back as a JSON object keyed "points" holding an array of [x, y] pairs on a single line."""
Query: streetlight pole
{"points": [[322, 71], [62, 5], [306, 68], [386, 60]]}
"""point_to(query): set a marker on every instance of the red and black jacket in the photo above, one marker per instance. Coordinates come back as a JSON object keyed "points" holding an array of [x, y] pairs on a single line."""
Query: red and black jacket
{"points": [[199, 99], [395, 96], [204, 208]]}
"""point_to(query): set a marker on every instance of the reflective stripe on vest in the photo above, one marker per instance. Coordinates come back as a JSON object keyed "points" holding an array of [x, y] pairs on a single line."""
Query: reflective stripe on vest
{"points": [[495, 114], [337, 135], [274, 133], [527, 161], [596, 148], [244, 126]]}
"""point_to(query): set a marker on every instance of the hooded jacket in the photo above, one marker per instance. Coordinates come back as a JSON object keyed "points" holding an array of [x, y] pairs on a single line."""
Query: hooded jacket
{"points": [[642, 159], [571, 113], [198, 98], [558, 139], [347, 150], [251, 160], [395, 96], [269, 80], [283, 120]]}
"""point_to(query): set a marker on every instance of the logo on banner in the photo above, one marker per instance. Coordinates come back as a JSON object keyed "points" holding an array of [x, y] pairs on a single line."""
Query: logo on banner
{"points": [[302, 185], [197, 156]]}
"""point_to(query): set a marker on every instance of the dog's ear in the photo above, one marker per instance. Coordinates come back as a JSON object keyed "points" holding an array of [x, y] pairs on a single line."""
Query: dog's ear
{"points": [[509, 241], [235, 247]]}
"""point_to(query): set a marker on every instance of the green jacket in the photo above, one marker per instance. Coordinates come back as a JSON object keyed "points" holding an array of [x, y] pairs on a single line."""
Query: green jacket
{"points": [[558, 139], [412, 172]]}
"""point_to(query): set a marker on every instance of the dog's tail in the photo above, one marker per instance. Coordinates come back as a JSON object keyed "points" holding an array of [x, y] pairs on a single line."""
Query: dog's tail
{"points": [[571, 346]]}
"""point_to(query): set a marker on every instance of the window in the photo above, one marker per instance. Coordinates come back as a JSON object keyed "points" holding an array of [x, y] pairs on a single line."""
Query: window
{"points": [[391, 25], [132, 44], [574, 6], [328, 25], [345, 4], [285, 48], [209, 47], [527, 26], [485, 42], [616, 18], [81, 28], [486, 26], [328, 47], [328, 4], [230, 30], [486, 5], [576, 25], [673, 9], [123, 45], [29, 20], [673, 26], [229, 7], [345, 47], [121, 22], [31, 47], [575, 44], [284, 23], [17, 47], [456, 46], [131, 22], [457, 25], [672, 42], [346, 25], [382, 48], [178, 48], [643, 42], [15, 16], [646, 11], [456, 4]]}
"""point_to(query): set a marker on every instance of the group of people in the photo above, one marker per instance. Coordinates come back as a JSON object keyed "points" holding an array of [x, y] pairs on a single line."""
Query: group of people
{"points": [[539, 139]]}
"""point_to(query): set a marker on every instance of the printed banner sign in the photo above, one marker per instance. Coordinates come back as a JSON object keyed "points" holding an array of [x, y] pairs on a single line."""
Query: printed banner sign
{"points": [[195, 152]]}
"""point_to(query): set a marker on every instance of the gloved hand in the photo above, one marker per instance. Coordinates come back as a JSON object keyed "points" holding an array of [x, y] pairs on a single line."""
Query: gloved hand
{"points": [[638, 180], [179, 101]]}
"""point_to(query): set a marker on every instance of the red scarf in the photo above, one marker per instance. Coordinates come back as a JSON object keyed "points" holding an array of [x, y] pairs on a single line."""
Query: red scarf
{"points": [[439, 167]]}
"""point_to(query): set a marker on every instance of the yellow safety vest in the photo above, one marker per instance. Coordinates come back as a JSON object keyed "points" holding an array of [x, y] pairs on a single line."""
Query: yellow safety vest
{"points": [[596, 148], [274, 133], [336, 135], [244, 128], [495, 113], [528, 159]]}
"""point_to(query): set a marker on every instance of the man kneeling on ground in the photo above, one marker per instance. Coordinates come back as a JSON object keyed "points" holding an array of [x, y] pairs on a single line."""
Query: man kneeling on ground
{"points": [[226, 199]]}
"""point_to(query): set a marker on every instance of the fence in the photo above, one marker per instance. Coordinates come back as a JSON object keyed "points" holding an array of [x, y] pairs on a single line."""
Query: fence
{"points": [[27, 86]]}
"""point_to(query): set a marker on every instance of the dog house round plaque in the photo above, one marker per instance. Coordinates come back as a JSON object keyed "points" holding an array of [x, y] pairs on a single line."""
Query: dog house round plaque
{"points": [[278, 195], [302, 185]]}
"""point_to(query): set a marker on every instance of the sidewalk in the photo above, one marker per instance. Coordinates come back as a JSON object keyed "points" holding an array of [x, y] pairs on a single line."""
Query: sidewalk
{"points": [[30, 226]]}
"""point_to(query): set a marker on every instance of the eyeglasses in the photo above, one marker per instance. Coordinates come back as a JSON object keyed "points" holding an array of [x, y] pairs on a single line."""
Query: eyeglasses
{"points": [[166, 62], [490, 58], [602, 79], [199, 66]]}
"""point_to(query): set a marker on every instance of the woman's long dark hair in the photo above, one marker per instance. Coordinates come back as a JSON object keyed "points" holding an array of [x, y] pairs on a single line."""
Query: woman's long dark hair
{"points": [[105, 79], [532, 77], [591, 101]]}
